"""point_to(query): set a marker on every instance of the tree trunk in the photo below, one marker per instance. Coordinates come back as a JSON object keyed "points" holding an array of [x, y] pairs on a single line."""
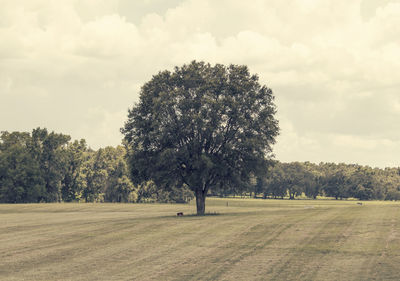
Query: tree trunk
{"points": [[200, 202]]}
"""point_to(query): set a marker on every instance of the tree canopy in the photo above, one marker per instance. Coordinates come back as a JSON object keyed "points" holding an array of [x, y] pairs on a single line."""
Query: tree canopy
{"points": [[48, 167], [201, 126]]}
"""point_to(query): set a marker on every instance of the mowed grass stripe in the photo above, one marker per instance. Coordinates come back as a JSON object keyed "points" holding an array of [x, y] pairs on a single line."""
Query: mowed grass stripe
{"points": [[63, 246], [304, 258], [358, 249], [248, 240], [376, 243], [258, 235], [274, 257]]}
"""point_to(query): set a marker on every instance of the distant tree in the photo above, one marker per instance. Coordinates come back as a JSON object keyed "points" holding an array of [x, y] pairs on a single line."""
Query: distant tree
{"points": [[336, 181], [390, 179], [119, 187], [313, 180], [288, 178], [276, 182], [49, 149], [96, 175], [33, 165], [296, 179], [106, 176], [365, 184], [20, 175], [201, 126], [393, 195], [73, 181]]}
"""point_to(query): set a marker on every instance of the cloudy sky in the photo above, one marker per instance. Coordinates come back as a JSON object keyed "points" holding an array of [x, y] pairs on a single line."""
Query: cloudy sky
{"points": [[75, 66]]}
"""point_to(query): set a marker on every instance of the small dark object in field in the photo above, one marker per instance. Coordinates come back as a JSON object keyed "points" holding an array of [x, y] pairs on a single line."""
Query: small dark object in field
{"points": [[180, 214], [359, 203]]}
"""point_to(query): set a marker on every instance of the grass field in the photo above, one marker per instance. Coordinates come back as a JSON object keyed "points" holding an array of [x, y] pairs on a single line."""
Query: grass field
{"points": [[247, 240]]}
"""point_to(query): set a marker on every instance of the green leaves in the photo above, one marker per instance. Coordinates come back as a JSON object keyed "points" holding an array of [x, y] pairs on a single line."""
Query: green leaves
{"points": [[210, 124], [21, 179], [44, 166]]}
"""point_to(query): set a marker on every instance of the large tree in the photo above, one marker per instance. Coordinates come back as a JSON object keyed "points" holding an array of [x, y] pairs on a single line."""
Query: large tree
{"points": [[201, 126]]}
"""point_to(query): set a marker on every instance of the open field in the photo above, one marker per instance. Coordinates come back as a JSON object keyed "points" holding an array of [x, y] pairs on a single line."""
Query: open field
{"points": [[248, 240]]}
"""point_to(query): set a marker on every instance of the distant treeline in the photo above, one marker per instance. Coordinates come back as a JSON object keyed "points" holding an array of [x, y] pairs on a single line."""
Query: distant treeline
{"points": [[49, 167], [44, 166], [339, 181]]}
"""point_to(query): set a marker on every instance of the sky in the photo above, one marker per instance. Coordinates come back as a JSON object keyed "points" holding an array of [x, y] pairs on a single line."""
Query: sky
{"points": [[76, 66]]}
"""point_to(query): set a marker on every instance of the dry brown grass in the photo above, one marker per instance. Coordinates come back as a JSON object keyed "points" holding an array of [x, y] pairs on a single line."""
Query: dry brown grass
{"points": [[249, 240]]}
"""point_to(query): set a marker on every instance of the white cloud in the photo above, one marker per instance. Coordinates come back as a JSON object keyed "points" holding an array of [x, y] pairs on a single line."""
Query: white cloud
{"points": [[333, 70], [108, 37], [354, 142], [101, 126]]}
